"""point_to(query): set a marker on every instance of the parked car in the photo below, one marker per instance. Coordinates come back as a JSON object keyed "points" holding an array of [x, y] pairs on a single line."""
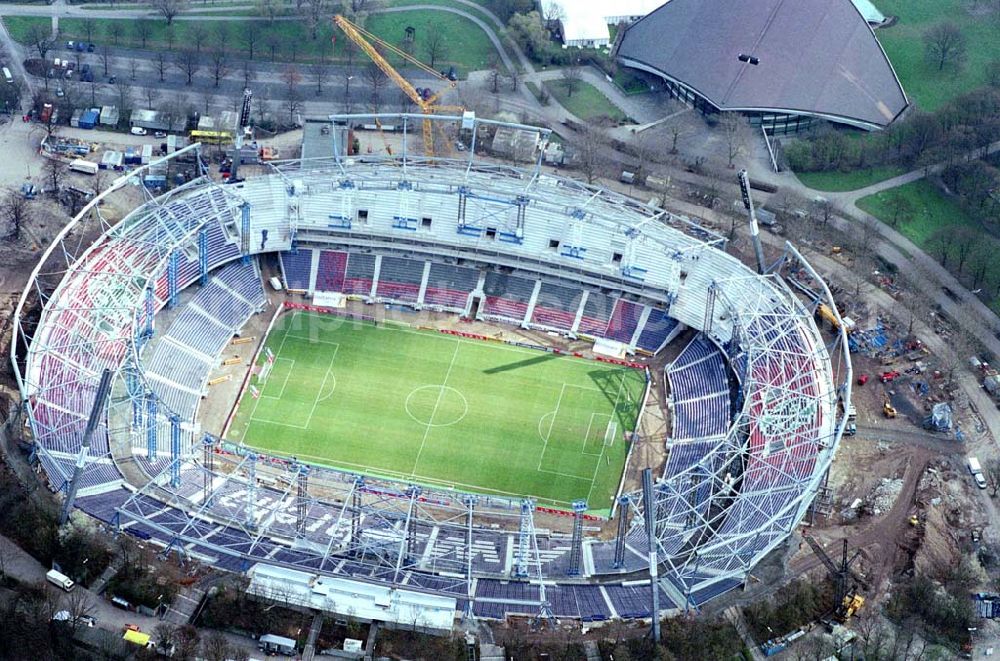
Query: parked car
{"points": [[87, 77], [138, 130], [112, 79], [80, 46], [70, 45], [160, 134], [84, 67], [68, 75], [90, 48], [60, 93]]}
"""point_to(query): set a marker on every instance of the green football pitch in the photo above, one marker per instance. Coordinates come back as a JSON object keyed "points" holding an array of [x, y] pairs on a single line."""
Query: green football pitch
{"points": [[442, 410]]}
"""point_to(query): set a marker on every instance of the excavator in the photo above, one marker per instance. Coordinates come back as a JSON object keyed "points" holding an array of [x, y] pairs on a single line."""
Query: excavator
{"points": [[888, 409]]}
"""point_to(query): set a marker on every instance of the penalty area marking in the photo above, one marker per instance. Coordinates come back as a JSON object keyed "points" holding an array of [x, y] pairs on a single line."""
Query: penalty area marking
{"points": [[328, 377]]}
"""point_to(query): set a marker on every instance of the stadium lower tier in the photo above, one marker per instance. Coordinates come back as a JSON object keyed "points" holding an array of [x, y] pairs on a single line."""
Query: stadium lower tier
{"points": [[524, 299]]}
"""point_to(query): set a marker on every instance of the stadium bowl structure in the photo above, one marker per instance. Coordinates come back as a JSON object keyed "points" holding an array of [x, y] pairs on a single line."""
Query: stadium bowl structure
{"points": [[722, 502]]}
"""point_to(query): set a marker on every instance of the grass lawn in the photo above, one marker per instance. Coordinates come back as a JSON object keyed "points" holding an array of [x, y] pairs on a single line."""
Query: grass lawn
{"points": [[442, 410], [836, 182], [467, 45], [931, 210], [904, 45], [587, 102]]}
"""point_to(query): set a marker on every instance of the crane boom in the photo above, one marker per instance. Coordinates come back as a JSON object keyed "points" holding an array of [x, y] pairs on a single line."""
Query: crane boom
{"points": [[366, 41]]}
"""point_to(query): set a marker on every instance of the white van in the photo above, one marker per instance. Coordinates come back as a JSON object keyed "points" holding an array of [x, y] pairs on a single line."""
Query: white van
{"points": [[7, 76], [59, 580]]}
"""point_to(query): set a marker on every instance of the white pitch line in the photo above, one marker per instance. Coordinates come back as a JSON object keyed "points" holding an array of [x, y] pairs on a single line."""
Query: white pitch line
{"points": [[256, 402], [319, 393], [621, 386], [430, 422]]}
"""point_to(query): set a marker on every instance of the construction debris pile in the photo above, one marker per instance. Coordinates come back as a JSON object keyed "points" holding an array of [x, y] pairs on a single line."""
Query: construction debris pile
{"points": [[884, 495]]}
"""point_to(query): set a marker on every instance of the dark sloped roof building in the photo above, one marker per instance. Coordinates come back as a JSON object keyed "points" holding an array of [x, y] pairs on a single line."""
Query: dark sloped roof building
{"points": [[786, 63]]}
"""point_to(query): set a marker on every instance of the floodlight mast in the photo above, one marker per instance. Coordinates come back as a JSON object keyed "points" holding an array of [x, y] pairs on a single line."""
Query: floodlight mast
{"points": [[100, 399]]}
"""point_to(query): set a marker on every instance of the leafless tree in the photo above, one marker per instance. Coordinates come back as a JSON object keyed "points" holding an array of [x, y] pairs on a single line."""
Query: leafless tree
{"points": [[104, 52], [133, 67], [53, 173], [115, 30], [734, 130], [676, 130], [590, 152], [945, 43], [169, 9], [125, 96], [316, 14], [267, 9], [170, 36], [160, 58], [272, 40], [197, 35], [436, 44], [251, 36], [165, 634], [189, 62], [80, 605], [220, 65], [215, 647], [40, 37], [89, 27], [376, 79], [319, 72], [571, 79], [293, 104], [992, 475], [143, 31], [16, 212], [151, 94], [187, 640]]}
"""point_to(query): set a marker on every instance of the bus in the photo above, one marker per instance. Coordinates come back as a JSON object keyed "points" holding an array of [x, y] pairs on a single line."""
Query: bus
{"points": [[80, 165], [212, 137], [6, 75]]}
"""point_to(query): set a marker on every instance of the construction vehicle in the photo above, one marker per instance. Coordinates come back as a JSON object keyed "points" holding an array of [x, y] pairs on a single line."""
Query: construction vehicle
{"points": [[425, 99], [847, 603], [825, 312], [889, 376], [851, 604], [914, 520], [888, 409]]}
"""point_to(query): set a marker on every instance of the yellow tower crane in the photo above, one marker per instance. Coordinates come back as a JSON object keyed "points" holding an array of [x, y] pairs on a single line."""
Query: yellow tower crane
{"points": [[365, 41]]}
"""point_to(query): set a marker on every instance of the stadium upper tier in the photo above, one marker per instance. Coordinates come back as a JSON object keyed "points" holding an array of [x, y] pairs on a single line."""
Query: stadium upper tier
{"points": [[725, 500]]}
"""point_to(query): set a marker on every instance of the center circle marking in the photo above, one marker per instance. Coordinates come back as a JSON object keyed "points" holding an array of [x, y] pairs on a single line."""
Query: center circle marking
{"points": [[436, 406]]}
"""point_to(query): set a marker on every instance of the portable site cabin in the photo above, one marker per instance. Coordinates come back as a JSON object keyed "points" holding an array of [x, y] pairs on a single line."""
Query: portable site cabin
{"points": [[137, 638], [271, 643]]}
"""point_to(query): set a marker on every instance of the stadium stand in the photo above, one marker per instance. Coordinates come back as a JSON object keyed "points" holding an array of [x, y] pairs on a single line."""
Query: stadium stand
{"points": [[449, 286], [399, 279], [699, 390], [656, 331], [507, 297], [179, 363], [556, 306], [596, 314], [359, 275], [624, 321], [332, 271], [297, 265]]}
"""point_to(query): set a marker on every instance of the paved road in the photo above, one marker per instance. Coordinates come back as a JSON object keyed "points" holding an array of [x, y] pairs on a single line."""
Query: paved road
{"points": [[26, 569]]}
